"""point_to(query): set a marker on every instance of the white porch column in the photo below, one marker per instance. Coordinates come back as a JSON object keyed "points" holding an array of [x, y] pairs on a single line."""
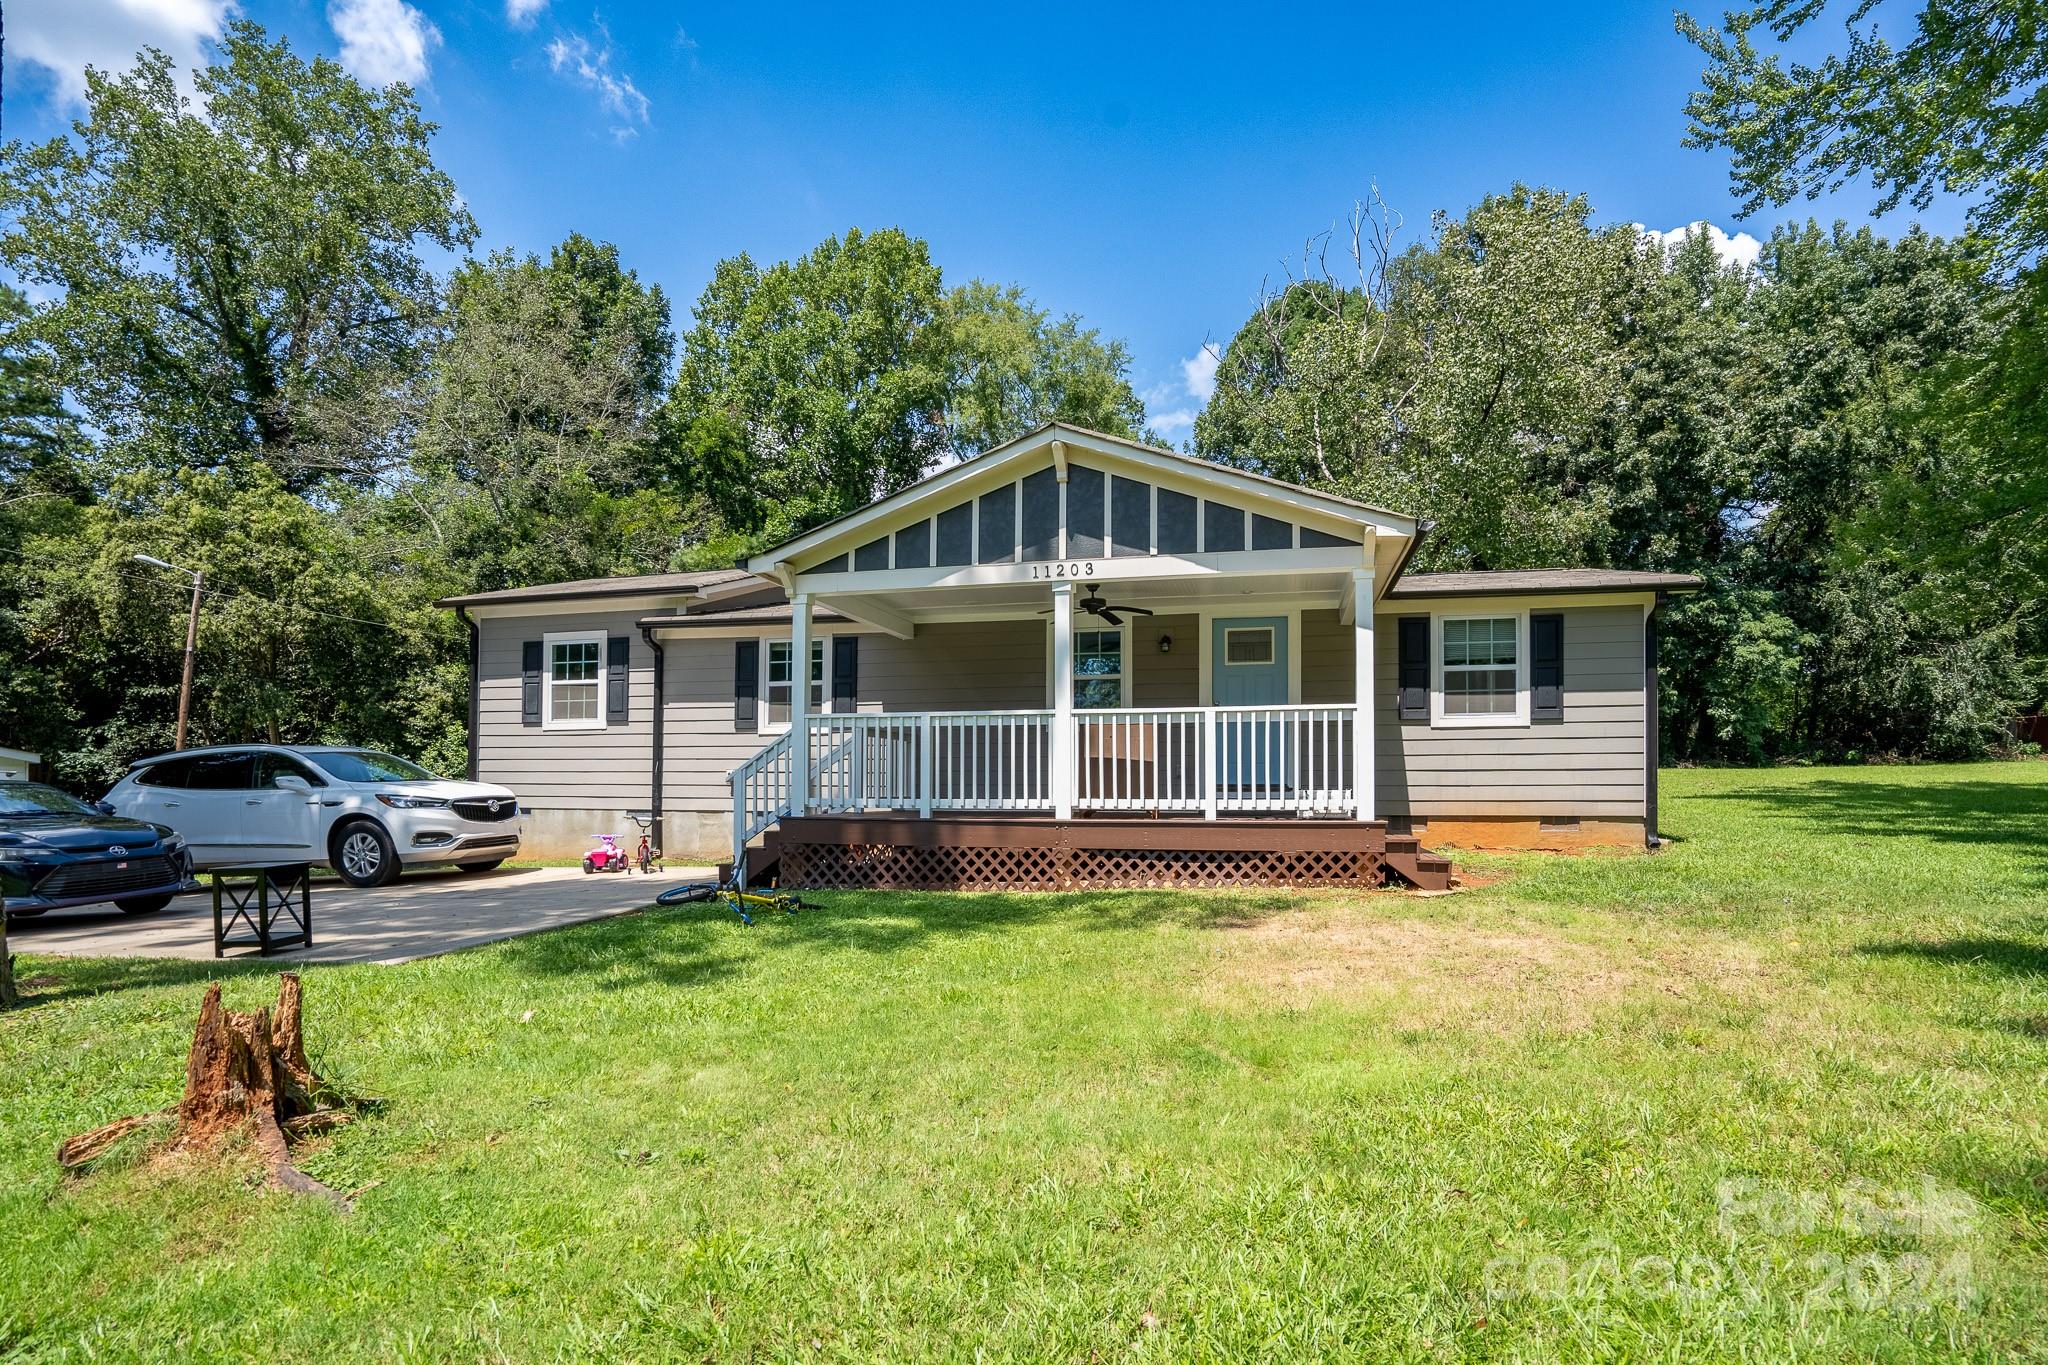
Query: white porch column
{"points": [[1362, 663], [1063, 701], [799, 702]]}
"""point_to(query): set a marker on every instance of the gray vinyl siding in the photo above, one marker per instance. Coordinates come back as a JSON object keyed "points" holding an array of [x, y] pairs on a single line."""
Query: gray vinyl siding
{"points": [[960, 666], [561, 769], [1172, 679], [1589, 764], [957, 666]]}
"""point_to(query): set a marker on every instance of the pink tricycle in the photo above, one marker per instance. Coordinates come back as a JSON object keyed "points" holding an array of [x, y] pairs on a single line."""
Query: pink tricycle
{"points": [[607, 856]]}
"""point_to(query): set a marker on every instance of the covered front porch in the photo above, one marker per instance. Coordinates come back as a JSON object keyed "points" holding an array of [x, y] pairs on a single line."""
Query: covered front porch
{"points": [[1173, 599]]}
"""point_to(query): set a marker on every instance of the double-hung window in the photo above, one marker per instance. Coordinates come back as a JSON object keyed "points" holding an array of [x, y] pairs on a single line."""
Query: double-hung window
{"points": [[1098, 669], [1481, 677], [778, 679], [574, 682]]}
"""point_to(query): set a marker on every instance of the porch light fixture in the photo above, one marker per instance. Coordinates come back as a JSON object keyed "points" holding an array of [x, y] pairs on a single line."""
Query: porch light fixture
{"points": [[1166, 644]]}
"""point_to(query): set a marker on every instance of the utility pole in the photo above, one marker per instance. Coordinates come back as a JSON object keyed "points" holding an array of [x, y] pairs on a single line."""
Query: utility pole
{"points": [[191, 641]]}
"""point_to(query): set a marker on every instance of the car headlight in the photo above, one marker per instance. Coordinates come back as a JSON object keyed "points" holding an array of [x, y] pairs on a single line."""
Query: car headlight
{"points": [[403, 802]]}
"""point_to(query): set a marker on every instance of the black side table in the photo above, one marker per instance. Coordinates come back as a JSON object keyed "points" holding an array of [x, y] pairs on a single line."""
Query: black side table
{"points": [[273, 901]]}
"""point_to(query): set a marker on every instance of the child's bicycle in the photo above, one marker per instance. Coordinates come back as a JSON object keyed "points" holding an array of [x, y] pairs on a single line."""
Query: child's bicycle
{"points": [[736, 897], [646, 857]]}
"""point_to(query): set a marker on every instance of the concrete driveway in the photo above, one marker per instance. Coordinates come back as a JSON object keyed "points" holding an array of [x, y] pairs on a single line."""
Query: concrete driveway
{"points": [[419, 915]]}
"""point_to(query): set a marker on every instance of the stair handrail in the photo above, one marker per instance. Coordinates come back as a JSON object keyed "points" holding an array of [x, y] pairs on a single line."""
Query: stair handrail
{"points": [[760, 796]]}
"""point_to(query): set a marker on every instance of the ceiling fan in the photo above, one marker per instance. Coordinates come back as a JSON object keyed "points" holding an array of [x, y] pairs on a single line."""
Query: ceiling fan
{"points": [[1096, 605]]}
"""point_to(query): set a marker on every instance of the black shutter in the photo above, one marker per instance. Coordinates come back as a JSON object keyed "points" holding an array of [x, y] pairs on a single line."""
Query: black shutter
{"points": [[746, 686], [618, 675], [845, 673], [1546, 666], [529, 685], [1413, 677]]}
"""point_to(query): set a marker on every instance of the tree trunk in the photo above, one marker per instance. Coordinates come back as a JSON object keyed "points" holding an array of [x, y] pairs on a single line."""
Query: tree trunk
{"points": [[246, 1071]]}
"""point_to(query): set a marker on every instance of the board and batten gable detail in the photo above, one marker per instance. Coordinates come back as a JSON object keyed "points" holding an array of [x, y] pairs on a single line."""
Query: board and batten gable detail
{"points": [[1109, 515], [1587, 762], [1061, 497]]}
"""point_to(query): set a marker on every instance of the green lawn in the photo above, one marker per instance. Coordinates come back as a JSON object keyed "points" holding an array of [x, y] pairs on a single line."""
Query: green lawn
{"points": [[1135, 1125]]}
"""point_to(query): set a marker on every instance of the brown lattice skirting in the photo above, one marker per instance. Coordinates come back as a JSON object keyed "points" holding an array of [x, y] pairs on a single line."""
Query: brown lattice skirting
{"points": [[976, 853]]}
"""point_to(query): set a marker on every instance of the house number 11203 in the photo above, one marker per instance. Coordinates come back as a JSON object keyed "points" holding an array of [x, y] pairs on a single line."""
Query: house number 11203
{"points": [[1079, 568]]}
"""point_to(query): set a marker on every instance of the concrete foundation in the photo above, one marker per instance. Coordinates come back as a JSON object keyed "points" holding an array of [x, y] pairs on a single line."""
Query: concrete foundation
{"points": [[695, 837], [1519, 831]]}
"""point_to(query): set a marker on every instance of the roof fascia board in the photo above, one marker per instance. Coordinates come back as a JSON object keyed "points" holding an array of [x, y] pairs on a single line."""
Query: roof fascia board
{"points": [[564, 606], [1517, 601]]}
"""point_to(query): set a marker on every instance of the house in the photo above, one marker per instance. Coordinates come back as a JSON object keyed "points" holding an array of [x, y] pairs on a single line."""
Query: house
{"points": [[18, 763], [1076, 659]]}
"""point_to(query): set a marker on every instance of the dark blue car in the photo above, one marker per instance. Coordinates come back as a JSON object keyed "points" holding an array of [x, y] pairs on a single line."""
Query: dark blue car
{"points": [[56, 850]]}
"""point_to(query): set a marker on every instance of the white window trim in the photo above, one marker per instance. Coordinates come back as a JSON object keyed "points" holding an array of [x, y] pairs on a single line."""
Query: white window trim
{"points": [[1272, 647], [1127, 648], [1438, 718], [547, 679], [823, 643]]}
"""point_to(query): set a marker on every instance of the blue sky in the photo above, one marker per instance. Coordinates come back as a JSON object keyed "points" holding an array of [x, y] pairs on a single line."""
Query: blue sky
{"points": [[1147, 169]]}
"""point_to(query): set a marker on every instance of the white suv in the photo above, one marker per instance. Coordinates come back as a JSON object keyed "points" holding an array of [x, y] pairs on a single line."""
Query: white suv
{"points": [[363, 813]]}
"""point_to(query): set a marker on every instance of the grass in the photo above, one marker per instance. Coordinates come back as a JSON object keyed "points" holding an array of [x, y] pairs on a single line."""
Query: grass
{"points": [[1487, 1126]]}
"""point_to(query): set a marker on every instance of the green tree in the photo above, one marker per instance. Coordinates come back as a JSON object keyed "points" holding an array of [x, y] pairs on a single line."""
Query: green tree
{"points": [[1018, 367], [1959, 109], [1462, 379], [810, 388], [222, 265], [535, 446], [307, 633], [832, 371]]}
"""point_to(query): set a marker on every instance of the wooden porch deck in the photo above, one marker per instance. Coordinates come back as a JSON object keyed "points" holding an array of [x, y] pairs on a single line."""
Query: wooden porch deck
{"points": [[966, 851]]}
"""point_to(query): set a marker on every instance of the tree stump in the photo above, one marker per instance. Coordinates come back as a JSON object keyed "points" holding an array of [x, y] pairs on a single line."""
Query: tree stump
{"points": [[246, 1072]]}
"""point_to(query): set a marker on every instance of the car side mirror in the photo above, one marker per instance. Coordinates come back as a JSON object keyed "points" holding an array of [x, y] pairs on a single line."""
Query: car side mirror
{"points": [[105, 808], [291, 782]]}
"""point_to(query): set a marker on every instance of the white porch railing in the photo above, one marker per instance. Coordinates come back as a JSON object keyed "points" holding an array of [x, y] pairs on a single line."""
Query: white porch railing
{"points": [[1213, 759], [1276, 759]]}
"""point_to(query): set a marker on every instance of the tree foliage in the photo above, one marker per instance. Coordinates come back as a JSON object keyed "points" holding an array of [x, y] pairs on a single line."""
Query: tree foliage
{"points": [[218, 267], [809, 388]]}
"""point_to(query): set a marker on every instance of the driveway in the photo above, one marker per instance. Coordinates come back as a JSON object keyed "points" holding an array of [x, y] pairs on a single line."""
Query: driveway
{"points": [[419, 915]]}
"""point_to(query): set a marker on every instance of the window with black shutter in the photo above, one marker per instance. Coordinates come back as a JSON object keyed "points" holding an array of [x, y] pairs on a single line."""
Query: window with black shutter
{"points": [[746, 686], [1546, 666], [618, 677], [1413, 675], [846, 674], [530, 655]]}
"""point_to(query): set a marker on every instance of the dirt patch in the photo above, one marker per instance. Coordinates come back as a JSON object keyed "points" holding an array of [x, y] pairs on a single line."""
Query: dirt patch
{"points": [[1504, 976]]}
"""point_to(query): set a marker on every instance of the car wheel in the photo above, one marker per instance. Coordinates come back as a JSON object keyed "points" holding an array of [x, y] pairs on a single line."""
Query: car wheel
{"points": [[142, 905], [363, 855], [480, 867]]}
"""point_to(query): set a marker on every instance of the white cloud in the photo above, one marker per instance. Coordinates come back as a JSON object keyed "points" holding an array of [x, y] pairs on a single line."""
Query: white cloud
{"points": [[590, 65], [64, 37], [522, 13], [1741, 249], [1197, 381], [383, 40], [1199, 371]]}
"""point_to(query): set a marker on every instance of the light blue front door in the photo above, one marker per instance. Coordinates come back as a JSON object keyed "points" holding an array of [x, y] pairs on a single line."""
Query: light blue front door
{"points": [[1248, 667]]}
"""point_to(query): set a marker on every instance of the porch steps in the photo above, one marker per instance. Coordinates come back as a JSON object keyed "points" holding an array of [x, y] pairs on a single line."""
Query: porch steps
{"points": [[1423, 870], [764, 860]]}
